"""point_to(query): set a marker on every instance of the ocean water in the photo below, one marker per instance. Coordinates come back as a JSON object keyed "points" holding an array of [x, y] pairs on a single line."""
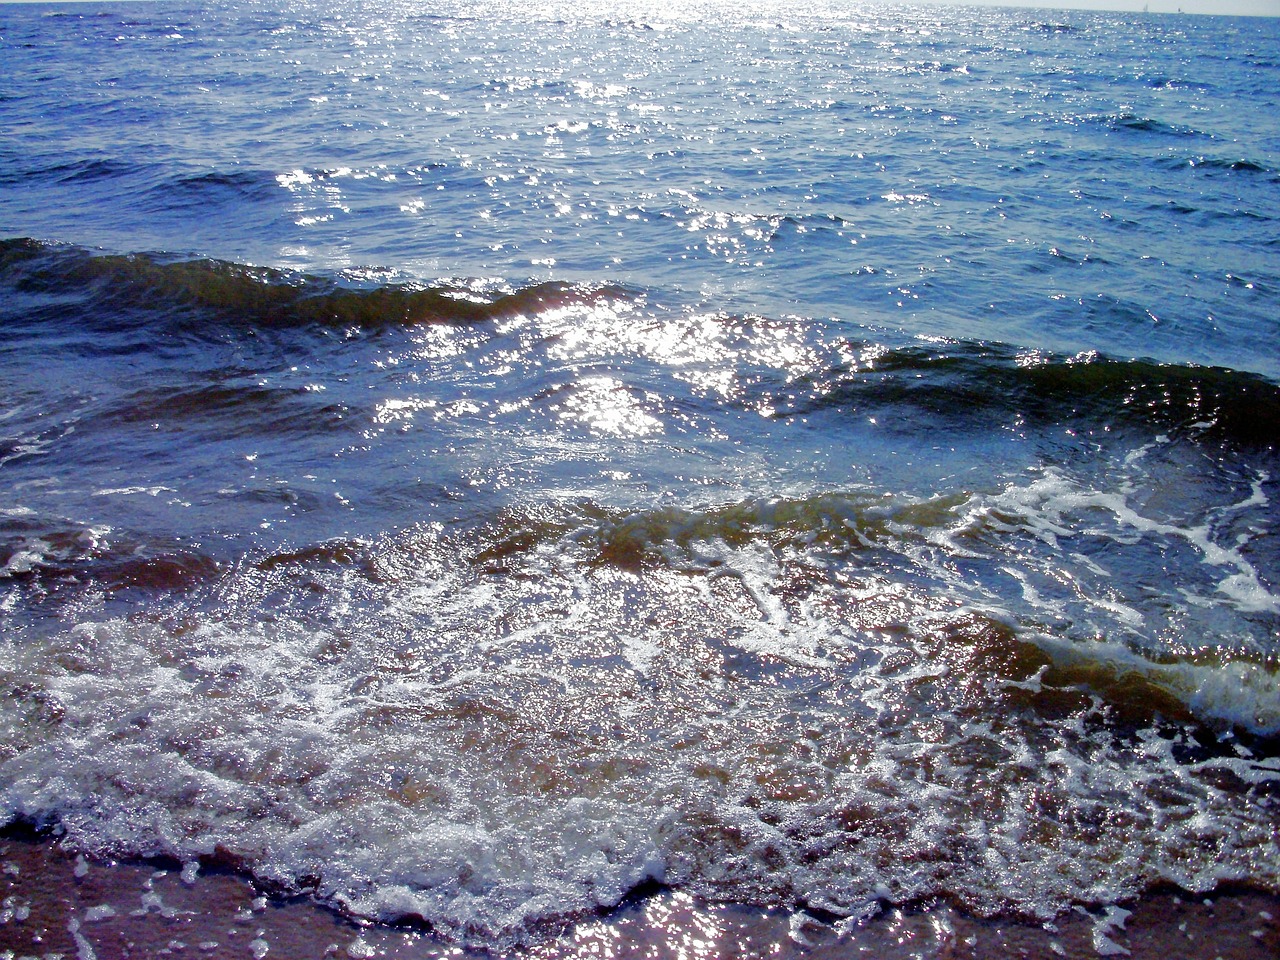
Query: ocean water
{"points": [[471, 465]]}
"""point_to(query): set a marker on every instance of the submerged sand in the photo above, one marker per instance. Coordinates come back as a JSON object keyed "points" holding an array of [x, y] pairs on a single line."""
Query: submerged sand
{"points": [[56, 904]]}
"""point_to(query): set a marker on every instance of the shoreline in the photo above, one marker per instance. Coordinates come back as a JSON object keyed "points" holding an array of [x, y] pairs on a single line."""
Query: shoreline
{"points": [[57, 904]]}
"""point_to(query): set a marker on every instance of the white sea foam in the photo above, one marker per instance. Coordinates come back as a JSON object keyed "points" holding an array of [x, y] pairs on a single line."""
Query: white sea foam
{"points": [[1113, 919], [492, 760]]}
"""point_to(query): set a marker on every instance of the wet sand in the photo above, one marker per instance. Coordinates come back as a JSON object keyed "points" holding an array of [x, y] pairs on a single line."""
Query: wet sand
{"points": [[54, 904]]}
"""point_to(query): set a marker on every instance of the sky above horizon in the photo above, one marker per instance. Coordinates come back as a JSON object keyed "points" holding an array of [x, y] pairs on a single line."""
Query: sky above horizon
{"points": [[1231, 8]]}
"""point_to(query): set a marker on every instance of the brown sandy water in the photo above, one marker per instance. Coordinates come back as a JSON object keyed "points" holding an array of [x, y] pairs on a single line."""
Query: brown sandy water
{"points": [[59, 905]]}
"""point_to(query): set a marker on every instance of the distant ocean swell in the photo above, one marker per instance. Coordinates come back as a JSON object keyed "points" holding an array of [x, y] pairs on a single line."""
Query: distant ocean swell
{"points": [[944, 378]]}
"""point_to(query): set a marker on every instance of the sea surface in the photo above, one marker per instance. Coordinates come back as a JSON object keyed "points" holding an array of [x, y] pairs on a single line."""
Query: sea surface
{"points": [[471, 465]]}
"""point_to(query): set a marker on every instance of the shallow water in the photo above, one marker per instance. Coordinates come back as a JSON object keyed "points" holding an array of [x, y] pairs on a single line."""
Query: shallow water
{"points": [[469, 470]]}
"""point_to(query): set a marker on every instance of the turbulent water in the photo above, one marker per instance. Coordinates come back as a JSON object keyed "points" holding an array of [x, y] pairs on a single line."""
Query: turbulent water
{"points": [[471, 466]]}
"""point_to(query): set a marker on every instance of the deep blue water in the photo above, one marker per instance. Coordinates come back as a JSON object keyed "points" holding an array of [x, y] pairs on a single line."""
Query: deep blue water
{"points": [[470, 465]]}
